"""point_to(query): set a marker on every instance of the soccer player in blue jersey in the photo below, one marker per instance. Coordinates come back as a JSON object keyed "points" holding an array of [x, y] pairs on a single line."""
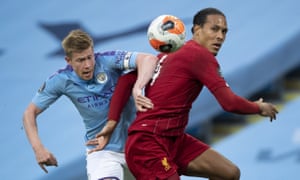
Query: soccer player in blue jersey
{"points": [[89, 80]]}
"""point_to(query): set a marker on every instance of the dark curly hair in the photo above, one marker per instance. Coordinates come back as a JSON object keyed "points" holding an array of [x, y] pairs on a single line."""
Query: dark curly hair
{"points": [[200, 16]]}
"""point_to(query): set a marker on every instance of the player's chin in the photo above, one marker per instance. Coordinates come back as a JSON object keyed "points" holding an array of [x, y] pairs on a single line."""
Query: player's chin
{"points": [[87, 77], [214, 52]]}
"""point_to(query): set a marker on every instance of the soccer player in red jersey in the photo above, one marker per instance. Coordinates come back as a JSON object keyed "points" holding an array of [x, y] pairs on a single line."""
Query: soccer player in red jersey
{"points": [[157, 146]]}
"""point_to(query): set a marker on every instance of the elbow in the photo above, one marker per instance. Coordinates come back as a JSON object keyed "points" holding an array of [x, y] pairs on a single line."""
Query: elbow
{"points": [[30, 114], [147, 57], [229, 108], [152, 58], [26, 117]]}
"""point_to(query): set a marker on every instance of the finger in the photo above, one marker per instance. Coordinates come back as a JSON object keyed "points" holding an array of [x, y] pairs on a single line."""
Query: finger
{"points": [[273, 117], [53, 162], [100, 139], [146, 105], [138, 108], [142, 98], [43, 167], [93, 150], [140, 101], [141, 108], [98, 148], [143, 101], [92, 142]]}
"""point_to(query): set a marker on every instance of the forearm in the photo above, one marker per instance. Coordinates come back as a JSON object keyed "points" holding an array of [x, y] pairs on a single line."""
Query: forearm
{"points": [[30, 126], [109, 126], [121, 95], [233, 103], [145, 67]]}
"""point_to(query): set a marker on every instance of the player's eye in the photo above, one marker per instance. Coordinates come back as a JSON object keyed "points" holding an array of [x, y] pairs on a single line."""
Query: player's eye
{"points": [[224, 31], [90, 57], [215, 28]]}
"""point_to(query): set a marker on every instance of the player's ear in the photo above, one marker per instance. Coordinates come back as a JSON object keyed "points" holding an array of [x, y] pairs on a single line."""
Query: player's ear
{"points": [[196, 28], [68, 59]]}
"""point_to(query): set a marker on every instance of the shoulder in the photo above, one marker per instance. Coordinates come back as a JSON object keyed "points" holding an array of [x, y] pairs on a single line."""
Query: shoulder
{"points": [[200, 51], [61, 75], [111, 53], [196, 48], [117, 59]]}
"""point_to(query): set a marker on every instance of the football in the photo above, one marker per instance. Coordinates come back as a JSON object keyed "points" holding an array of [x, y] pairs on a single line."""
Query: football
{"points": [[166, 33]]}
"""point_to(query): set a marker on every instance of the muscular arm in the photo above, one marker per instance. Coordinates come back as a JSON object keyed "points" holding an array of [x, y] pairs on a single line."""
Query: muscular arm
{"points": [[210, 77], [232, 103], [146, 64], [43, 156], [30, 125], [121, 95]]}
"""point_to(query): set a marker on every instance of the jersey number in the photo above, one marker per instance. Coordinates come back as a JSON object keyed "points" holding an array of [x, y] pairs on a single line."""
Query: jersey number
{"points": [[157, 70]]}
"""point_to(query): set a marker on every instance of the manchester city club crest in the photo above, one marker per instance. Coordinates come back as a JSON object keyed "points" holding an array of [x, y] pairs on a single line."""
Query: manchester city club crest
{"points": [[101, 77]]}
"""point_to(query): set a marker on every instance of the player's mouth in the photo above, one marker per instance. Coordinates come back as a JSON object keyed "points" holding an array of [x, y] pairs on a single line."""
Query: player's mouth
{"points": [[217, 46], [87, 74]]}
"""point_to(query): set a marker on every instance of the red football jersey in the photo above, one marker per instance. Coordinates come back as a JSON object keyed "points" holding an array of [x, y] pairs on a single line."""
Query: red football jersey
{"points": [[177, 82], [180, 78]]}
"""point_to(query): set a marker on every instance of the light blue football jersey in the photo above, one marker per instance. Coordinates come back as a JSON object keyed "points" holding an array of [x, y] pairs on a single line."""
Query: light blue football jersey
{"points": [[92, 98]]}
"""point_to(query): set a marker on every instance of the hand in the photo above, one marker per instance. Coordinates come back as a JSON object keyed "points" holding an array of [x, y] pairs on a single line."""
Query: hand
{"points": [[99, 142], [267, 109], [142, 103], [44, 157], [103, 137]]}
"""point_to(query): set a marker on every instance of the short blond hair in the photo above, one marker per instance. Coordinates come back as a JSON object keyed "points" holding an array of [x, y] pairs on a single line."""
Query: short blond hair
{"points": [[76, 41]]}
